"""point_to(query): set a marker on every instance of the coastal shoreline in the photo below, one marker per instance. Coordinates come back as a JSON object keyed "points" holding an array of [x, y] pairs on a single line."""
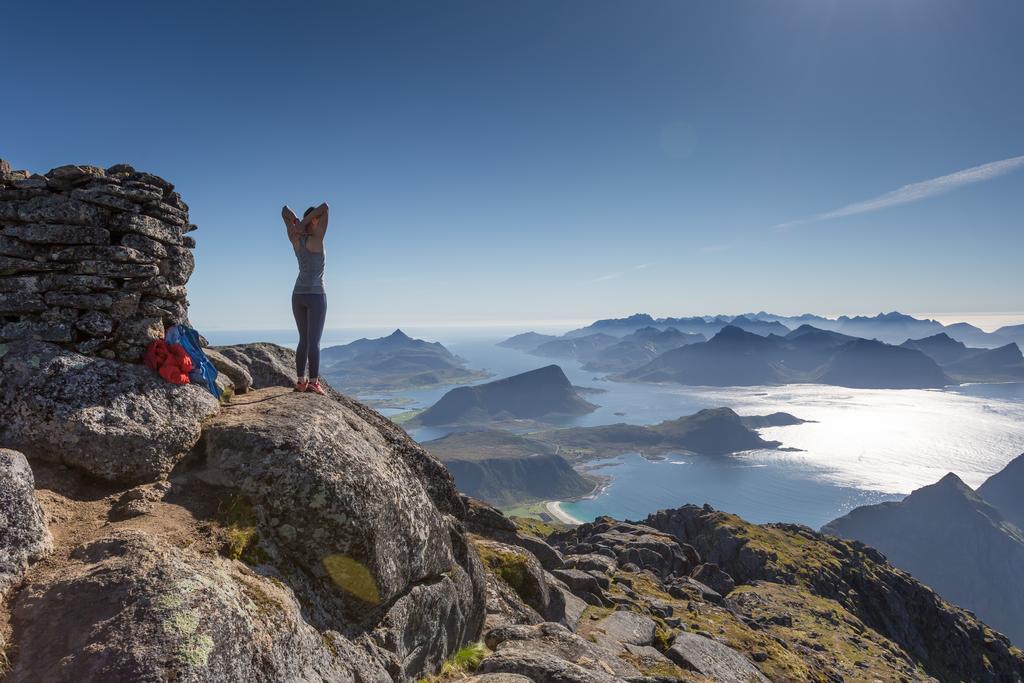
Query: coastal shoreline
{"points": [[554, 508]]}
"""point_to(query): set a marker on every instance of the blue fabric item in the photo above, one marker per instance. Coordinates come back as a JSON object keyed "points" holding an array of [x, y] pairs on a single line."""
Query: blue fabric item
{"points": [[203, 371]]}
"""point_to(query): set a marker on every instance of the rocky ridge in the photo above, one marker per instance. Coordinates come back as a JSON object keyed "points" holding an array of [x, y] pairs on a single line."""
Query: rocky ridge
{"points": [[288, 537], [694, 594], [92, 259]]}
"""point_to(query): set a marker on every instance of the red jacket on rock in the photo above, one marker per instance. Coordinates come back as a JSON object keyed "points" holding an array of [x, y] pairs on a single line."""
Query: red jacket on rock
{"points": [[170, 360]]}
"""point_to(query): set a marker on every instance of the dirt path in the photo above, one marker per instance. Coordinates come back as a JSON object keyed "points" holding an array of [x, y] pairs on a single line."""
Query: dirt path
{"points": [[79, 510]]}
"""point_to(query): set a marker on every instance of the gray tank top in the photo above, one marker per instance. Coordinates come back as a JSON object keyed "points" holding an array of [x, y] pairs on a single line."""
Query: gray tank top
{"points": [[311, 270]]}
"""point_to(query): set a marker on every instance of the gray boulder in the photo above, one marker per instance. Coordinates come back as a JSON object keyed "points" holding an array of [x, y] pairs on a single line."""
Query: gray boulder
{"points": [[580, 582], [548, 557], [543, 667], [591, 562], [268, 365], [352, 524], [627, 627], [573, 608], [504, 606], [551, 652], [713, 659], [117, 421], [524, 574], [686, 588], [711, 575], [630, 544], [240, 378], [24, 537], [130, 608], [488, 521]]}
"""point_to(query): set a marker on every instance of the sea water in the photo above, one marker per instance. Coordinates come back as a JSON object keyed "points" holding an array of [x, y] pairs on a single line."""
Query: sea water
{"points": [[863, 446]]}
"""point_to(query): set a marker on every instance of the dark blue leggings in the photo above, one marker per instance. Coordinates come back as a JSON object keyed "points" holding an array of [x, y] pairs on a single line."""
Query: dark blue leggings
{"points": [[310, 312]]}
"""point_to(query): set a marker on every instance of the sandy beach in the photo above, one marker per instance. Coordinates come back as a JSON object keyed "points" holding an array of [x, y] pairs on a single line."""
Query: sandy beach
{"points": [[553, 508]]}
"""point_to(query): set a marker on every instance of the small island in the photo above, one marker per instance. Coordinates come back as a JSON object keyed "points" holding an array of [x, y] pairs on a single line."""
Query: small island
{"points": [[713, 431], [542, 395]]}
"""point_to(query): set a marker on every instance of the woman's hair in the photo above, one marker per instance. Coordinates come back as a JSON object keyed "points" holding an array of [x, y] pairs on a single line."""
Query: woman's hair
{"points": [[308, 211]]}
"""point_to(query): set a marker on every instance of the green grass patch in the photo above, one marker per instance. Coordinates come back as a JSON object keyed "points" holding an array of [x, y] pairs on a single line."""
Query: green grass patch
{"points": [[510, 567], [241, 535], [537, 527], [463, 662], [405, 416]]}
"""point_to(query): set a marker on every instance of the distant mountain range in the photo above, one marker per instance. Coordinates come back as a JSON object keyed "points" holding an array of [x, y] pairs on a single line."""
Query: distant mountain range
{"points": [[748, 354], [967, 545], [734, 357], [392, 363], [638, 348], [892, 328], [541, 394]]}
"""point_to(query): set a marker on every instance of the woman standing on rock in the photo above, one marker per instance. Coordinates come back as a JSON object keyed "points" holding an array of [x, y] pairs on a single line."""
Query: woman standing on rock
{"points": [[309, 298]]}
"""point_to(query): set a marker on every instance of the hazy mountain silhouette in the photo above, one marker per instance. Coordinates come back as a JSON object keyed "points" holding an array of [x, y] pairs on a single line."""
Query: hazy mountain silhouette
{"points": [[761, 327], [579, 348], [940, 347], [965, 364], [947, 536], [870, 364], [536, 395], [1014, 333], [396, 361], [735, 357], [994, 365], [616, 327], [527, 341], [692, 325], [639, 348], [892, 328], [1005, 491], [732, 357]]}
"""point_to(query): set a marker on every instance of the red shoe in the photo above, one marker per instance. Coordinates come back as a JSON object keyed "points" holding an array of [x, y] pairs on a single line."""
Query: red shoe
{"points": [[301, 385], [315, 387]]}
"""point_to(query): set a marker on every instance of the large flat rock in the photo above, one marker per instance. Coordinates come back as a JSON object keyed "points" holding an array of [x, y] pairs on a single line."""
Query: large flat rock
{"points": [[713, 659], [551, 652], [351, 524], [117, 421]]}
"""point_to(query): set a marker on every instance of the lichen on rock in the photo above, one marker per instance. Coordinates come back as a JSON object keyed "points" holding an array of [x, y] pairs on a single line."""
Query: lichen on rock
{"points": [[131, 608]]}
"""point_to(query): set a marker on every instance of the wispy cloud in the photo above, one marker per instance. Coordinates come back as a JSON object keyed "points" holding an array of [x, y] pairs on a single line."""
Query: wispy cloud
{"points": [[618, 274], [915, 192]]}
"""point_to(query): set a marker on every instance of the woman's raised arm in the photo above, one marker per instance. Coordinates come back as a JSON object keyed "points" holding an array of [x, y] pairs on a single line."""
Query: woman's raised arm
{"points": [[291, 221], [320, 213]]}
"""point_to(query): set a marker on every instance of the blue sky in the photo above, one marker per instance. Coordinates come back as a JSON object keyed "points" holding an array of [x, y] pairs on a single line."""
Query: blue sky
{"points": [[538, 160]]}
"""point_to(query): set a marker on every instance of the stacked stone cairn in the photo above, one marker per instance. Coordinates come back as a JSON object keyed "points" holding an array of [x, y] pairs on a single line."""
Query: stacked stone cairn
{"points": [[93, 260]]}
